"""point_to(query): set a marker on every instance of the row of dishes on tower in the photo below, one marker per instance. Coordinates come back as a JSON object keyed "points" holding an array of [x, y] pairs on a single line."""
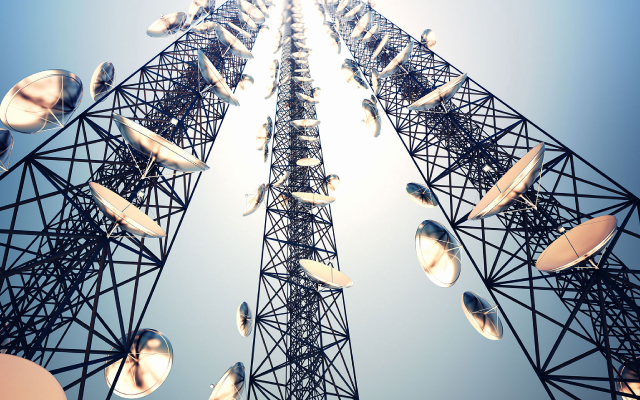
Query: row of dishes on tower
{"points": [[439, 252], [294, 40], [47, 100]]}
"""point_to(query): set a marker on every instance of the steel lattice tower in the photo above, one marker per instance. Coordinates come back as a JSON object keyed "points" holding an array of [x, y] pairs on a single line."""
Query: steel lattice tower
{"points": [[580, 325], [301, 343], [68, 293]]}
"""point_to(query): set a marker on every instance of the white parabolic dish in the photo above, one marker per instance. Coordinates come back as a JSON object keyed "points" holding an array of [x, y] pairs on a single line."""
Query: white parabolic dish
{"points": [[151, 144], [125, 214], [22, 379], [515, 182], [318, 200], [325, 275], [578, 244], [231, 385]]}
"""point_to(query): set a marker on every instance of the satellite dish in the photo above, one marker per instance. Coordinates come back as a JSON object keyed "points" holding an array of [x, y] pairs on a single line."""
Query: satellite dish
{"points": [[42, 101], [342, 7], [422, 195], [264, 28], [252, 11], [399, 60], [308, 138], [428, 39], [316, 92], [231, 385], [361, 26], [351, 74], [317, 200], [195, 10], [325, 275], [329, 27], [263, 137], [146, 367], [578, 244], [102, 80], [271, 88], [297, 26], [629, 372], [247, 21], [301, 70], [157, 148], [334, 42], [302, 79], [244, 319], [352, 63], [308, 162], [369, 35], [273, 68], [6, 147], [513, 184], [213, 78], [232, 43], [204, 27], [353, 12], [265, 154], [299, 36], [375, 82], [333, 181], [263, 7], [439, 95], [239, 30], [380, 46], [246, 81], [281, 179], [371, 117], [125, 215], [307, 98], [210, 6], [305, 123], [22, 379], [255, 200], [482, 315], [167, 25], [439, 253], [358, 81], [277, 42], [300, 54]]}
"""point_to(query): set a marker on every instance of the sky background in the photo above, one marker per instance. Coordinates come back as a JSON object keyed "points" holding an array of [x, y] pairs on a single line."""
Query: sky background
{"points": [[569, 66]]}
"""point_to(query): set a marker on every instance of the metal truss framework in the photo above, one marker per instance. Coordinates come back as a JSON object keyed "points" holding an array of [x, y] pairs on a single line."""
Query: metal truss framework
{"points": [[68, 293], [301, 343], [576, 327]]}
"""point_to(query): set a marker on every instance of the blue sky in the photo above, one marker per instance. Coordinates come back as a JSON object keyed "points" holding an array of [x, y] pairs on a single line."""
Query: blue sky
{"points": [[569, 66]]}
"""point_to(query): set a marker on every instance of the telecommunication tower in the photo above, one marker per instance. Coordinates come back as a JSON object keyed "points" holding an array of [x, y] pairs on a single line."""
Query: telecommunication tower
{"points": [[301, 343], [541, 233], [75, 285]]}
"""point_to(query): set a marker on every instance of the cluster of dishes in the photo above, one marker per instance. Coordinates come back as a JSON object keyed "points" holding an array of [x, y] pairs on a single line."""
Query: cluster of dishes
{"points": [[439, 253]]}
